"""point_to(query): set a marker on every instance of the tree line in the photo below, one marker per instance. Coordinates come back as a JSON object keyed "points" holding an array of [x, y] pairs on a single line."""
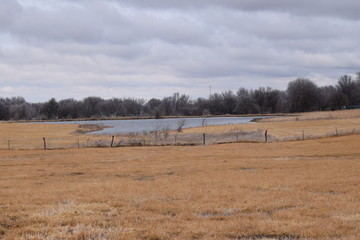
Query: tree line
{"points": [[301, 95]]}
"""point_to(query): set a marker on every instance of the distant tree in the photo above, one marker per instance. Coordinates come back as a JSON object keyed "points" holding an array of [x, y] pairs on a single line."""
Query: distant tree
{"points": [[4, 110], [339, 100], [120, 110], [358, 77], [16, 100], [229, 102], [266, 99], [23, 111], [182, 104], [152, 107], [245, 102], [153, 103], [216, 104], [281, 105], [50, 109], [302, 95], [133, 106], [107, 108], [167, 106], [273, 100], [69, 109], [36, 108], [201, 107], [90, 107], [260, 98], [348, 87], [327, 95]]}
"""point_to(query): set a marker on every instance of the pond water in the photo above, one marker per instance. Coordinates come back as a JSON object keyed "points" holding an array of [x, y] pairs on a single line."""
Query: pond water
{"points": [[148, 125]]}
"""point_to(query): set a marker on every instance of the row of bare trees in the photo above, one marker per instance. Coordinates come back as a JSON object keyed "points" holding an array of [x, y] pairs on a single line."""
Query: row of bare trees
{"points": [[301, 95]]}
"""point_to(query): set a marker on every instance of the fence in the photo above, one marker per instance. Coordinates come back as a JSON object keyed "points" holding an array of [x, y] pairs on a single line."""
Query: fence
{"points": [[163, 138]]}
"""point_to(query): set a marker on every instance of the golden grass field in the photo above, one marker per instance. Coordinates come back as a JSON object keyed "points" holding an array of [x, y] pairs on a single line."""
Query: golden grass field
{"points": [[281, 190]]}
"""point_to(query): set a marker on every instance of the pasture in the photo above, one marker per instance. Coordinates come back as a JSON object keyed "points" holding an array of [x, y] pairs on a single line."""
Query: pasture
{"points": [[280, 190]]}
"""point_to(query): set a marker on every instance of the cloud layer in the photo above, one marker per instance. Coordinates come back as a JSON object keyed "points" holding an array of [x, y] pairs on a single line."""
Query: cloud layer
{"points": [[110, 48]]}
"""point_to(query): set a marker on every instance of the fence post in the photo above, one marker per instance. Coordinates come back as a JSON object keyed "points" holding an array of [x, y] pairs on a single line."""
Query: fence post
{"points": [[44, 143], [204, 139], [78, 143], [112, 141], [336, 131], [266, 135]]}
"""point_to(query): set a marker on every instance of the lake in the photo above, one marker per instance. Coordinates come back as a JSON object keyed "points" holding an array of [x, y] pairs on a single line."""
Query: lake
{"points": [[148, 125]]}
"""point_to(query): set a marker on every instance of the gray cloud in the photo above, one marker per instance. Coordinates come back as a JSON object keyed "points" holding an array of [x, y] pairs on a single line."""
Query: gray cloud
{"points": [[9, 11], [153, 48], [342, 9]]}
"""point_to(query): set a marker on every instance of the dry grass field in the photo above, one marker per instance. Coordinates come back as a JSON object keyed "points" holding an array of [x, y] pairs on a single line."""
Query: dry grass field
{"points": [[253, 191], [30, 136], [314, 124]]}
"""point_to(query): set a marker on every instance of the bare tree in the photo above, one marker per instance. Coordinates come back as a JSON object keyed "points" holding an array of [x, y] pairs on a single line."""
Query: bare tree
{"points": [[245, 103], [181, 124], [4, 110], [23, 111], [216, 104], [50, 109], [327, 98], [229, 100], [348, 87], [69, 108], [203, 122], [302, 95], [90, 107]]}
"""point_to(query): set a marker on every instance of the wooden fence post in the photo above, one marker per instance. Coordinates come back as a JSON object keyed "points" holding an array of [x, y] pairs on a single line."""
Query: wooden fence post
{"points": [[204, 139], [266, 135], [44, 143], [78, 143], [336, 131], [112, 141]]}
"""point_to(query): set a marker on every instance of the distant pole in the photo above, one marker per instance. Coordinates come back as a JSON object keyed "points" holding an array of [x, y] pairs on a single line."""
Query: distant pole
{"points": [[44, 143], [266, 135], [303, 133], [204, 139], [112, 141], [336, 131], [78, 143]]}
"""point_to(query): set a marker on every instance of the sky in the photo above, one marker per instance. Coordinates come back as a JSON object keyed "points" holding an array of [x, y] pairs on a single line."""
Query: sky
{"points": [[154, 48]]}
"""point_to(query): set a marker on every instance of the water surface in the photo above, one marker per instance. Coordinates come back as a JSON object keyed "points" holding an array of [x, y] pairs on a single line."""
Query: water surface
{"points": [[148, 125]]}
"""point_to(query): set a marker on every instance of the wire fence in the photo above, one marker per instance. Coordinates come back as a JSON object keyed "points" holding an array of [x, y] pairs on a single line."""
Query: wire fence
{"points": [[163, 138]]}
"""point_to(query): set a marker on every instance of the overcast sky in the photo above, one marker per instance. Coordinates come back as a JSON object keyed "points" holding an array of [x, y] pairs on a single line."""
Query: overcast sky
{"points": [[153, 48]]}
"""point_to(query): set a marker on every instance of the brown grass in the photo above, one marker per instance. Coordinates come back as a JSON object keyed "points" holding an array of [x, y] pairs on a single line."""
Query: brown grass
{"points": [[30, 135], [284, 190], [314, 124]]}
